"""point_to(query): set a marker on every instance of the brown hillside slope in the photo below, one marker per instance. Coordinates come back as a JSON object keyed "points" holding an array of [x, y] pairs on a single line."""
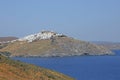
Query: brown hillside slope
{"points": [[60, 46], [15, 70]]}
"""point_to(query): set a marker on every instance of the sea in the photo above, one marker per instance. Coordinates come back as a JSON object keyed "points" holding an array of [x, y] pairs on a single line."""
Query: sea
{"points": [[81, 67]]}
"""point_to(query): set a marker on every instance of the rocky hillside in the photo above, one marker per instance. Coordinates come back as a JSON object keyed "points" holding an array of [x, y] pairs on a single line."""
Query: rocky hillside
{"points": [[47, 44], [5, 40], [15, 70]]}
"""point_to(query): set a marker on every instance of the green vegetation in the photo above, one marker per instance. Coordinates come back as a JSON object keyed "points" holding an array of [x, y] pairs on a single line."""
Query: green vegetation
{"points": [[5, 53]]}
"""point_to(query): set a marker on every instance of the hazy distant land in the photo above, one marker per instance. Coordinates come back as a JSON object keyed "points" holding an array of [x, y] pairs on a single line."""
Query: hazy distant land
{"points": [[109, 45]]}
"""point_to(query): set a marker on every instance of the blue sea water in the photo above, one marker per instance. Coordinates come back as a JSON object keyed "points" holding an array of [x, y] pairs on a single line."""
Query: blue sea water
{"points": [[82, 67]]}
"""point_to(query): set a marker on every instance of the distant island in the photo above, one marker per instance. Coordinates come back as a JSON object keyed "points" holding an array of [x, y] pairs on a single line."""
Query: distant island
{"points": [[7, 39], [51, 44], [16, 70], [109, 45]]}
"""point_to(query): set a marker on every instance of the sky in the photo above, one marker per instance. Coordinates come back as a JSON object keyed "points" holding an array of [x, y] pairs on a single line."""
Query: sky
{"points": [[89, 20]]}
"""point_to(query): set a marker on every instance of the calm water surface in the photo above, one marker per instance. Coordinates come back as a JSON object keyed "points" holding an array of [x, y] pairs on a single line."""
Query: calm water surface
{"points": [[82, 67]]}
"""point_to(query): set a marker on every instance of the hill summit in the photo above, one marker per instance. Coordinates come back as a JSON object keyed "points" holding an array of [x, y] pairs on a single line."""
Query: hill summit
{"points": [[48, 44], [43, 35]]}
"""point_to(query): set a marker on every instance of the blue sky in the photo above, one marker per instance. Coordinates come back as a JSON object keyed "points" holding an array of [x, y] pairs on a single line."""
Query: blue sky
{"points": [[90, 20]]}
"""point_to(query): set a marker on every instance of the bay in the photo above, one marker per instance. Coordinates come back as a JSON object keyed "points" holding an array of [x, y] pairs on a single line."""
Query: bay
{"points": [[82, 67]]}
